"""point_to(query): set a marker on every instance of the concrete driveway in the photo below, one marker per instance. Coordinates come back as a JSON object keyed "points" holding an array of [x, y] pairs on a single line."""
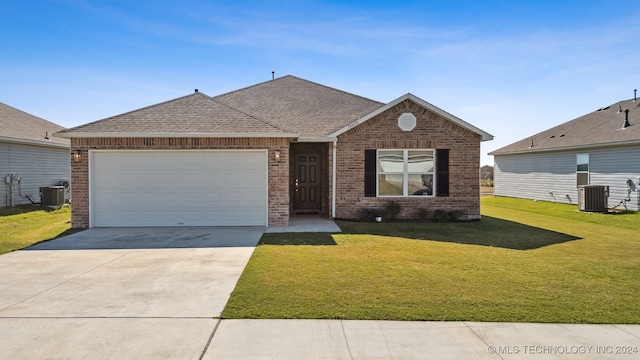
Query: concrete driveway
{"points": [[101, 293]]}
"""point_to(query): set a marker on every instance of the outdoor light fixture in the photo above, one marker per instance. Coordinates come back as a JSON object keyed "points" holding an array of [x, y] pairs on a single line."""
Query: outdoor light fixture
{"points": [[76, 155], [276, 154]]}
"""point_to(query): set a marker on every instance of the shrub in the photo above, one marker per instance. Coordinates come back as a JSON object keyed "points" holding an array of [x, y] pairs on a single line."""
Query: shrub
{"points": [[486, 183], [392, 209], [370, 214], [443, 216], [424, 214]]}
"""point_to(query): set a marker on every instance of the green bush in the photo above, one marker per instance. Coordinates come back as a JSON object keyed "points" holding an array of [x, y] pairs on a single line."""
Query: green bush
{"points": [[370, 214], [424, 214], [486, 183], [443, 216], [392, 209]]}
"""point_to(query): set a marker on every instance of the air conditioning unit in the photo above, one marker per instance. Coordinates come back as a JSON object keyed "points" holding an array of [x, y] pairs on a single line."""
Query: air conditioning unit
{"points": [[52, 196], [593, 198]]}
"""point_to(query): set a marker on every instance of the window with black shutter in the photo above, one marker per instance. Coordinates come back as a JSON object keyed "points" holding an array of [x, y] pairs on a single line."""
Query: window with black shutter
{"points": [[442, 172], [370, 159], [399, 172]]}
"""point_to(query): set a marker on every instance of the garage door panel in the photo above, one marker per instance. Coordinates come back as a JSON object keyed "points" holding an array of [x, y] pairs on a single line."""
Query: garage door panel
{"points": [[169, 182], [195, 199], [191, 162], [244, 198], [170, 188], [254, 181], [193, 181]]}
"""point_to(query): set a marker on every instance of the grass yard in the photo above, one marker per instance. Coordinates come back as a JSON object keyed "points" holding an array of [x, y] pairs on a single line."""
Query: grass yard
{"points": [[524, 261], [26, 225]]}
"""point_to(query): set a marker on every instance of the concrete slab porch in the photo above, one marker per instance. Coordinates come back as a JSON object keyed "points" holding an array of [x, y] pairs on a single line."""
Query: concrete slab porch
{"points": [[307, 223]]}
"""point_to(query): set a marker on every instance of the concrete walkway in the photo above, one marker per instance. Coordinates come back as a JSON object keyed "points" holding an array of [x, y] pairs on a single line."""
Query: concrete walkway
{"points": [[347, 339]]}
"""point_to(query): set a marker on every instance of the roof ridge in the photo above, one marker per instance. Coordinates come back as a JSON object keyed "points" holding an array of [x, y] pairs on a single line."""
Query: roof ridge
{"points": [[252, 86], [35, 116], [577, 119], [301, 79], [593, 129], [137, 110], [336, 89]]}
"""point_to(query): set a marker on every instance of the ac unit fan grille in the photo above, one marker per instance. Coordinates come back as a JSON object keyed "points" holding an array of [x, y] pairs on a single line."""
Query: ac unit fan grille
{"points": [[593, 198]]}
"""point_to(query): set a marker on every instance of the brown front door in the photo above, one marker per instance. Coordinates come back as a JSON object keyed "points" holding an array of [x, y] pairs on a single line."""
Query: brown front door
{"points": [[307, 183]]}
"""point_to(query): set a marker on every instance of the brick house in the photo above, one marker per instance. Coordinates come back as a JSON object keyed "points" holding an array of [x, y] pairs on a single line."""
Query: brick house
{"points": [[258, 155]]}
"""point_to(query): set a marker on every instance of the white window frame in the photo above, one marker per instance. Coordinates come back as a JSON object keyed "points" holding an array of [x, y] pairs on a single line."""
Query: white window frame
{"points": [[405, 173], [578, 172]]}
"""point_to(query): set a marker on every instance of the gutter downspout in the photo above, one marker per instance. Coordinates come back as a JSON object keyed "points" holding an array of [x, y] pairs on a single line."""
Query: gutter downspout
{"points": [[333, 182]]}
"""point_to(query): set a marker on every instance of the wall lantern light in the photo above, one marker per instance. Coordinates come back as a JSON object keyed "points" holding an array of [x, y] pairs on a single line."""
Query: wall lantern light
{"points": [[276, 155], [76, 155]]}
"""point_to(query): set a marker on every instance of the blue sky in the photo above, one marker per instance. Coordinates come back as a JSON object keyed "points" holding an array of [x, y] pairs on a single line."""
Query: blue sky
{"points": [[512, 68]]}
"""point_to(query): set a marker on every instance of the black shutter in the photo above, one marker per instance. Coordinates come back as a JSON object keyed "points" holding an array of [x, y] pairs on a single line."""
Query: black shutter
{"points": [[442, 172], [370, 161]]}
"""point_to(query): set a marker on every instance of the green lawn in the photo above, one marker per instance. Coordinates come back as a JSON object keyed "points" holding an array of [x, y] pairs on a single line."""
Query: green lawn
{"points": [[25, 225], [524, 261]]}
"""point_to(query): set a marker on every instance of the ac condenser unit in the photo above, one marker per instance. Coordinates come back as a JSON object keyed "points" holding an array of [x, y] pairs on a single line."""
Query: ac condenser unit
{"points": [[593, 198], [52, 196]]}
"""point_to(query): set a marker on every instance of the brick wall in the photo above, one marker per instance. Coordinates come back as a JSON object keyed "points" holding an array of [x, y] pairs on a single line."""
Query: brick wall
{"points": [[431, 132], [278, 171]]}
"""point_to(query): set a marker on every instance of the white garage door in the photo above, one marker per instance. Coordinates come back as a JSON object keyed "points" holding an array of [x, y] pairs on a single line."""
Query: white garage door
{"points": [[178, 188]]}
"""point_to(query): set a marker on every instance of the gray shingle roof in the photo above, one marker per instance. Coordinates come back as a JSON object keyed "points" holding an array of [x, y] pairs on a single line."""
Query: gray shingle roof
{"points": [[287, 106], [599, 128], [188, 115], [20, 126], [302, 106]]}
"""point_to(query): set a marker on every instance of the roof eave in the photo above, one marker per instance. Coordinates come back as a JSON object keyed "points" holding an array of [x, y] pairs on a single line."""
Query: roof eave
{"points": [[485, 135], [34, 142], [88, 134], [566, 148]]}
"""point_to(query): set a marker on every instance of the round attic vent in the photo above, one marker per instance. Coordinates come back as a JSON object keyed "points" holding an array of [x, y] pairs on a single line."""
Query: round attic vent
{"points": [[407, 122]]}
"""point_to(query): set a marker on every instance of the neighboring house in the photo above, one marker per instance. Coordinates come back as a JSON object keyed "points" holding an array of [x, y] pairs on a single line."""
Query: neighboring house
{"points": [[486, 172], [258, 155], [600, 148], [30, 157]]}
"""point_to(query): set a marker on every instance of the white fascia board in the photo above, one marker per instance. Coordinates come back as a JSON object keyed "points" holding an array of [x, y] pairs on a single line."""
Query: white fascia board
{"points": [[485, 136], [568, 148], [34, 142], [79, 134]]}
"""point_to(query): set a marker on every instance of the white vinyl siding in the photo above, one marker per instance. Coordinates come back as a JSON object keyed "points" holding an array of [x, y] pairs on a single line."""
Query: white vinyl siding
{"points": [[178, 188], [614, 167], [551, 176], [541, 176], [37, 166]]}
